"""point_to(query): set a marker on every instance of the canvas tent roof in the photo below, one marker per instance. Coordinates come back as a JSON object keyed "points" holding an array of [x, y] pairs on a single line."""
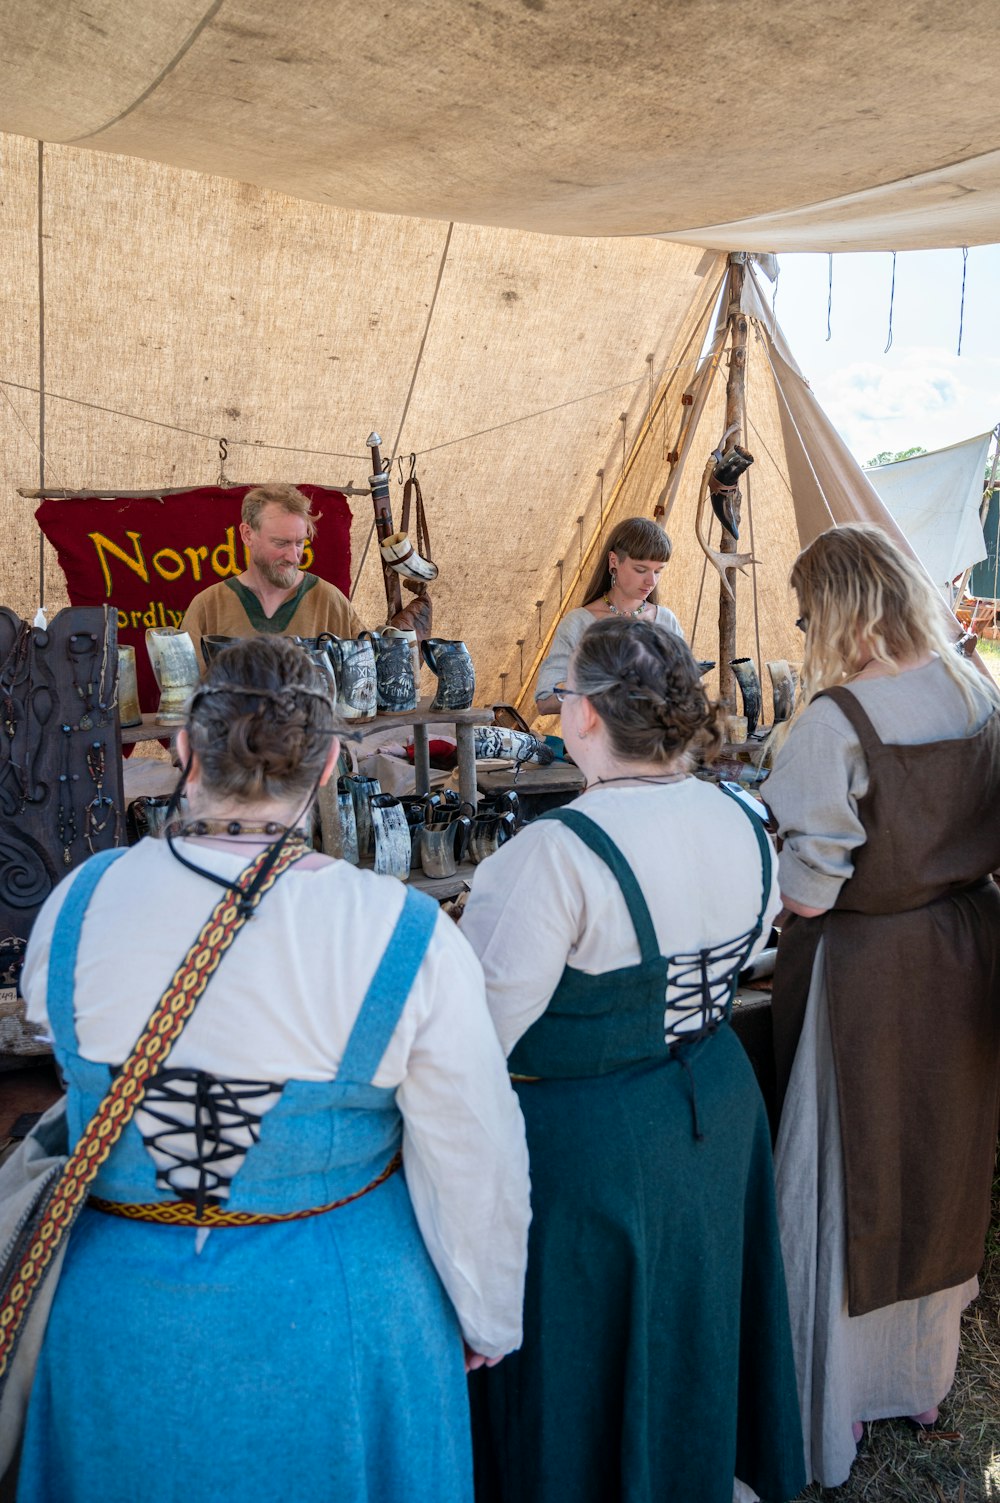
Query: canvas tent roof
{"points": [[789, 126], [194, 254]]}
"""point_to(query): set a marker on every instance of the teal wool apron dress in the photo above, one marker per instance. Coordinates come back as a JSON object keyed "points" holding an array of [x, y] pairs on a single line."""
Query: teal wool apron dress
{"points": [[657, 1362], [317, 1358]]}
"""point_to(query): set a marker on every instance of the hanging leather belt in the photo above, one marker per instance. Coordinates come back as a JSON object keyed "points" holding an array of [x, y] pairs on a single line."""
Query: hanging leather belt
{"points": [[186, 1213]]}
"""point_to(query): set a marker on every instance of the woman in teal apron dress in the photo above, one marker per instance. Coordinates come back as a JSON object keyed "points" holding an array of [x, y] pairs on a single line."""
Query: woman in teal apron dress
{"points": [[255, 1301], [656, 1361]]}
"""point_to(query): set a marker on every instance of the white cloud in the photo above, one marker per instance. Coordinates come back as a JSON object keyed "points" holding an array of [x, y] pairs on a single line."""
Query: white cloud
{"points": [[926, 396]]}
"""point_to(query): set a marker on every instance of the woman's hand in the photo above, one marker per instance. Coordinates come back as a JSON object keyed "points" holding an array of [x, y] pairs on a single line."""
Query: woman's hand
{"points": [[791, 906], [474, 1360]]}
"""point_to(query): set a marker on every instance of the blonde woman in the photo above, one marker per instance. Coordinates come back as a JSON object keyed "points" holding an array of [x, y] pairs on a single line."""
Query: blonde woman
{"points": [[887, 798], [624, 585]]}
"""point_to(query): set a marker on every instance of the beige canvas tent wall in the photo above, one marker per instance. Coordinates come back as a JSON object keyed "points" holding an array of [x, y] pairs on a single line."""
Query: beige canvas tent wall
{"points": [[538, 376]]}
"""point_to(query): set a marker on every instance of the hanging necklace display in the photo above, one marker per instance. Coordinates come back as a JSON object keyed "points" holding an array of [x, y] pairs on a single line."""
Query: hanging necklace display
{"points": [[628, 615], [15, 672], [66, 824], [101, 807], [89, 681]]}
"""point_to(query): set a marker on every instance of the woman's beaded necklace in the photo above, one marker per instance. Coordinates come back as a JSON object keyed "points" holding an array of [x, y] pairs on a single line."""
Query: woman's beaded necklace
{"points": [[640, 777], [196, 828], [627, 614]]}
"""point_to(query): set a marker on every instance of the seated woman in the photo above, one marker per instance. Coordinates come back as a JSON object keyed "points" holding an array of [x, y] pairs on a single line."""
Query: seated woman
{"points": [[887, 793], [258, 1300], [657, 1362], [624, 584]]}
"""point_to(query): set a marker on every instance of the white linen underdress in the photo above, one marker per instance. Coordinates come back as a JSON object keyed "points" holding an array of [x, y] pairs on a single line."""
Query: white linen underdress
{"points": [[282, 1008], [901, 1359], [566, 637], [567, 907]]}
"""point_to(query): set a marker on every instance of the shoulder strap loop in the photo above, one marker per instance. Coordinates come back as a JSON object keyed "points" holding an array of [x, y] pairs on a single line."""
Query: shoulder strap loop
{"points": [[390, 986]]}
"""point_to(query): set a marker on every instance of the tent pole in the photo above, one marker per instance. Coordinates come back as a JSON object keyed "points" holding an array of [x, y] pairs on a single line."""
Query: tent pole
{"points": [[732, 433]]}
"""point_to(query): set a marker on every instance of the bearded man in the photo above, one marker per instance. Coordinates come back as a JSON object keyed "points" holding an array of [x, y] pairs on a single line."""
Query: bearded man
{"points": [[272, 594]]}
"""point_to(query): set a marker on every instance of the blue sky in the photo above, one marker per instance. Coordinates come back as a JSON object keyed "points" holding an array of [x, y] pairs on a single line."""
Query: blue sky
{"points": [[921, 391]]}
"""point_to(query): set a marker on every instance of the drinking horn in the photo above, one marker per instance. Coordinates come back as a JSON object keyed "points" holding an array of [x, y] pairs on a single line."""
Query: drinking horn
{"points": [[723, 562], [746, 676], [400, 554], [723, 486], [783, 689]]}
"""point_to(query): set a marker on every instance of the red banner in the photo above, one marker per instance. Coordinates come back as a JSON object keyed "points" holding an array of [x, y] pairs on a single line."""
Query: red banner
{"points": [[148, 557]]}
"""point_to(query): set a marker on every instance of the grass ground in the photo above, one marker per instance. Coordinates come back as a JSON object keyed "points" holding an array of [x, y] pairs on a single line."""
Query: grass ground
{"points": [[990, 654], [901, 1467]]}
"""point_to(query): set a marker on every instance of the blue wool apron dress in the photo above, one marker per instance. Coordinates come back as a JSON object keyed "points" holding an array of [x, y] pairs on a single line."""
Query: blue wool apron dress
{"points": [[311, 1359], [657, 1360]]}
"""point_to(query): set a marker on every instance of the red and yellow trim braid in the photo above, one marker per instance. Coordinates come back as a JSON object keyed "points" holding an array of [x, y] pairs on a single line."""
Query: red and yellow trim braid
{"points": [[115, 1111]]}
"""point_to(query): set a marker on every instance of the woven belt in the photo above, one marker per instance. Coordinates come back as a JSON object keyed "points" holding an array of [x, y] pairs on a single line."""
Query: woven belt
{"points": [[185, 1213]]}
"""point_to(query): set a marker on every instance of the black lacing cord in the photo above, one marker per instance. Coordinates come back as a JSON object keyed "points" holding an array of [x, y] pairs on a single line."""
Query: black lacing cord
{"points": [[217, 1108], [695, 991], [690, 988]]}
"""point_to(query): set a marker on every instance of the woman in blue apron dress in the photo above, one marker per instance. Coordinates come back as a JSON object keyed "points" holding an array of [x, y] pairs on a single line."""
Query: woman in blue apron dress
{"points": [[260, 1299], [656, 1361]]}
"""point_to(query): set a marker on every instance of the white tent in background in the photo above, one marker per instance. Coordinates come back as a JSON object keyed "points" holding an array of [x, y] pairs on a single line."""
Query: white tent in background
{"points": [[936, 499]]}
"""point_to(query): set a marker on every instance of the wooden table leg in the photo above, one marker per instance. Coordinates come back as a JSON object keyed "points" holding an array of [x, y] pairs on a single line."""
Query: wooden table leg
{"points": [[422, 760], [465, 736], [331, 830]]}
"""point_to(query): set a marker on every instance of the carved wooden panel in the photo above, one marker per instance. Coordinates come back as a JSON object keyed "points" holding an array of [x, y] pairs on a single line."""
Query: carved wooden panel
{"points": [[61, 795]]}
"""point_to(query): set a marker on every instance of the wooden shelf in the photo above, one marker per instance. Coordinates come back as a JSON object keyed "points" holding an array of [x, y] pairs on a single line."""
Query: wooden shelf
{"points": [[424, 715], [150, 730], [441, 888], [557, 777]]}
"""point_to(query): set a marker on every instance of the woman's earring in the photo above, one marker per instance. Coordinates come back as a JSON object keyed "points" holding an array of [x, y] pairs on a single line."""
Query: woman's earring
{"points": [[614, 577]]}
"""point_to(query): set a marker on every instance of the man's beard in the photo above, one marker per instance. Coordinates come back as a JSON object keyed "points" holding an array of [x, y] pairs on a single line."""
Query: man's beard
{"points": [[282, 576]]}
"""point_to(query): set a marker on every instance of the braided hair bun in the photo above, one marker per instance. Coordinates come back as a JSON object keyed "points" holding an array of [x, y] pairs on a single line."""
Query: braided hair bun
{"points": [[646, 687], [262, 721]]}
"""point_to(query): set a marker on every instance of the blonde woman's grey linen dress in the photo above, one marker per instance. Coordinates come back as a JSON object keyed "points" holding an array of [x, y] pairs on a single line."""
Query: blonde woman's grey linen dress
{"points": [[887, 1026]]}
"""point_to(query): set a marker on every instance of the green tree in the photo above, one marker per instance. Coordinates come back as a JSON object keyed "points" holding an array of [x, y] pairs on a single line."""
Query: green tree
{"points": [[887, 457]]}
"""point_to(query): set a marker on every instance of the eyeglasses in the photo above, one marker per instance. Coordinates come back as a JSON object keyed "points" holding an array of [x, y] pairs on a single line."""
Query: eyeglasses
{"points": [[802, 623], [560, 691]]}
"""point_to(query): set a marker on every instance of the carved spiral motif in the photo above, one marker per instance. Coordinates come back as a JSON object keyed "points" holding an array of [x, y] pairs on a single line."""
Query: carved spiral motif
{"points": [[25, 880]]}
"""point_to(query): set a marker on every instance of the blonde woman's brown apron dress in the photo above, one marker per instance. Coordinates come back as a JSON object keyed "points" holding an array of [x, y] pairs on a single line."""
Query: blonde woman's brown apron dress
{"points": [[912, 973]]}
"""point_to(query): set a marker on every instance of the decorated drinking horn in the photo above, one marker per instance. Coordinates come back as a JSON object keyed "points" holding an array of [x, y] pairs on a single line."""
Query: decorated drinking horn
{"points": [[398, 552], [724, 505], [723, 562], [782, 688], [746, 676], [704, 665]]}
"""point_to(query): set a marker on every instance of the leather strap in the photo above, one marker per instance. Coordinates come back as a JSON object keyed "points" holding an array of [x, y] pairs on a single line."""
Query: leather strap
{"points": [[54, 1219], [412, 487]]}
